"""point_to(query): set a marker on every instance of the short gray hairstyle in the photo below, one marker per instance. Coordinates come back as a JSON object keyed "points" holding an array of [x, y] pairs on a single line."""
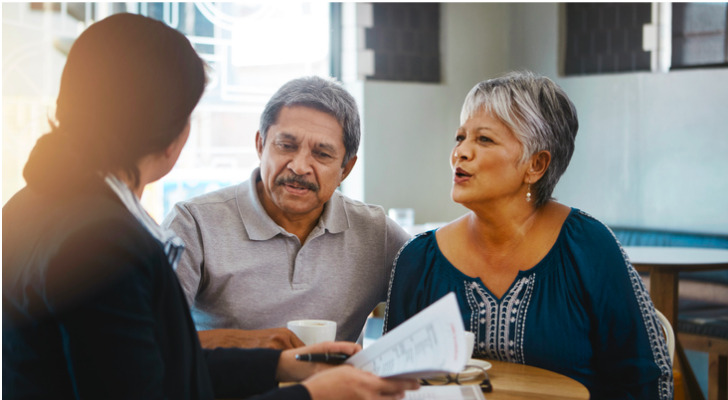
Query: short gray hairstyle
{"points": [[540, 115], [325, 95]]}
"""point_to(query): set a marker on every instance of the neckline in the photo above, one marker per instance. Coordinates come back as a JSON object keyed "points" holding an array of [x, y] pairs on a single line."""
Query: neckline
{"points": [[541, 265]]}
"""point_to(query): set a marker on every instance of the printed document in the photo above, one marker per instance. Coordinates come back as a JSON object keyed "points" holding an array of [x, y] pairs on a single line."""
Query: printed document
{"points": [[431, 343], [454, 392]]}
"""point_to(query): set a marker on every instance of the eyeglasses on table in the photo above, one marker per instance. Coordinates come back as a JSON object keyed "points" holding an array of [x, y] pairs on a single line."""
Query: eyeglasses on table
{"points": [[471, 373]]}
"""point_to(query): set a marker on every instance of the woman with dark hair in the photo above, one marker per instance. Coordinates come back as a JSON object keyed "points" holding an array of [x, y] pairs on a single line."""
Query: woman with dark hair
{"points": [[91, 304], [538, 282]]}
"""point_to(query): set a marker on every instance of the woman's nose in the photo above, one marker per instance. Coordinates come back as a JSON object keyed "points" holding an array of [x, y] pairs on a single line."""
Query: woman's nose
{"points": [[462, 151]]}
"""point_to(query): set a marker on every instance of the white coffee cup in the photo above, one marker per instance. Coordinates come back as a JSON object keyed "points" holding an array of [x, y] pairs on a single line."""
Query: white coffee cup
{"points": [[312, 331], [469, 343]]}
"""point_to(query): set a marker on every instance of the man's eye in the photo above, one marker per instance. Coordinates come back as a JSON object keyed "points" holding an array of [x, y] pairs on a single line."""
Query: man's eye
{"points": [[286, 146], [323, 155]]}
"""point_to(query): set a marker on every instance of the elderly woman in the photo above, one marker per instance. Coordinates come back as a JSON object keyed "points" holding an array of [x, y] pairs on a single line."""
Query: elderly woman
{"points": [[92, 308], [538, 282]]}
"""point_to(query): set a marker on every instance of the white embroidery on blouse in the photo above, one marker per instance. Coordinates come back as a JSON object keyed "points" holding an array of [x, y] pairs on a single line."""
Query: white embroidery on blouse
{"points": [[499, 328], [654, 330]]}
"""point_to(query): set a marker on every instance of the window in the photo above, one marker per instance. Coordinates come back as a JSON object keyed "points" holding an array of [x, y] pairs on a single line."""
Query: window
{"points": [[699, 35], [629, 37], [405, 38], [606, 37], [252, 49]]}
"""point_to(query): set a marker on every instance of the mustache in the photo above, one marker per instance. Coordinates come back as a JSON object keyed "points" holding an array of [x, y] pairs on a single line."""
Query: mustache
{"points": [[297, 180]]}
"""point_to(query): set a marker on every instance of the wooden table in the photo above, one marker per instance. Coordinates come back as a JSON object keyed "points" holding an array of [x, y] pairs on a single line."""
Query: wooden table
{"points": [[664, 264], [521, 382]]}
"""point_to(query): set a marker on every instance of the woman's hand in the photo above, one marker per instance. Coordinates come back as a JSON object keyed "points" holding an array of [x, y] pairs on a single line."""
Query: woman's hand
{"points": [[292, 370], [347, 382], [325, 381]]}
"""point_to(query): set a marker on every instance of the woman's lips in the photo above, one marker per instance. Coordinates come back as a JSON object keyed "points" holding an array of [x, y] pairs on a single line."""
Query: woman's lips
{"points": [[461, 175]]}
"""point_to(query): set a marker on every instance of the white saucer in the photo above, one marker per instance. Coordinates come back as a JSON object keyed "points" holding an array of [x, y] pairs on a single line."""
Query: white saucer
{"points": [[479, 363], [471, 373]]}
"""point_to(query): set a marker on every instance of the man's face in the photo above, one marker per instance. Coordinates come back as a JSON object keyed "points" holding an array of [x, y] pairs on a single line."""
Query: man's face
{"points": [[301, 162]]}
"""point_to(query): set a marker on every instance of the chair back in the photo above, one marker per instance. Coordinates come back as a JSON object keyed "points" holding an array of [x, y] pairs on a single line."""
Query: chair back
{"points": [[669, 334]]}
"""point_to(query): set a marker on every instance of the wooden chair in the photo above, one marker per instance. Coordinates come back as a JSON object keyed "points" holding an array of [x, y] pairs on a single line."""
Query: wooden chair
{"points": [[670, 336]]}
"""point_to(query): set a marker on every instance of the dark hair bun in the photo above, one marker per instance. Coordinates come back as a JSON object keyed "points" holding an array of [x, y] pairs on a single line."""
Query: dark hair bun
{"points": [[54, 165]]}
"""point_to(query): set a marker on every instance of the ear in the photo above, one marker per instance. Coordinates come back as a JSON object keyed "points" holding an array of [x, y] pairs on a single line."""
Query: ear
{"points": [[170, 150], [348, 167], [537, 166], [175, 148], [259, 144]]}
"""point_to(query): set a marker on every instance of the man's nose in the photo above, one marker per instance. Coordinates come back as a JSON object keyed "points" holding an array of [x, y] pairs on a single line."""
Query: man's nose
{"points": [[300, 164]]}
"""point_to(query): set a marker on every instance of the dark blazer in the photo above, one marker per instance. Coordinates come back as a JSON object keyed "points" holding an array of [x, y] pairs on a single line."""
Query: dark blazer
{"points": [[92, 310]]}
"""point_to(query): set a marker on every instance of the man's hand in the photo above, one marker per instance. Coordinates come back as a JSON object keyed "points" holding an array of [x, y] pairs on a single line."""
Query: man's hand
{"points": [[274, 338]]}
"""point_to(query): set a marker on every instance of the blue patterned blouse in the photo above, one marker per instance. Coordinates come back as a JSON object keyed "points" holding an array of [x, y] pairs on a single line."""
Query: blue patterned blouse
{"points": [[582, 311]]}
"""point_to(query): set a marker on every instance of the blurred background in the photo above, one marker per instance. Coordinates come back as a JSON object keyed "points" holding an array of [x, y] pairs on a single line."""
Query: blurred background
{"points": [[251, 49], [648, 81]]}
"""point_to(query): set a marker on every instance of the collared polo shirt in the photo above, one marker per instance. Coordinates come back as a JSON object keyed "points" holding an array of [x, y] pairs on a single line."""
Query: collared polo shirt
{"points": [[241, 270]]}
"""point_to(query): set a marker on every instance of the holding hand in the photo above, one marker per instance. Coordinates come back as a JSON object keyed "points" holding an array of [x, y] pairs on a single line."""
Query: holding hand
{"points": [[292, 370], [347, 382], [324, 381]]}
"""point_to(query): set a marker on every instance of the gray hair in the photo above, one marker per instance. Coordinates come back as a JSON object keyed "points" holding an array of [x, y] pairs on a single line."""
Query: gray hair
{"points": [[540, 115], [321, 94]]}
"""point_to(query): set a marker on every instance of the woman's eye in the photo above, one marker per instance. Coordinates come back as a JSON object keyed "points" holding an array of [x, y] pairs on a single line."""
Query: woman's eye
{"points": [[459, 138], [484, 139]]}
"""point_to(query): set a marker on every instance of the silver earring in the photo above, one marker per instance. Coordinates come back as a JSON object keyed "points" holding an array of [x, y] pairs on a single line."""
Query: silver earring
{"points": [[528, 194]]}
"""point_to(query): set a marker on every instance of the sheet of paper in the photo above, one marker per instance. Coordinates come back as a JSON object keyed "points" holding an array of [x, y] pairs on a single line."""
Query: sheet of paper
{"points": [[430, 343], [450, 392]]}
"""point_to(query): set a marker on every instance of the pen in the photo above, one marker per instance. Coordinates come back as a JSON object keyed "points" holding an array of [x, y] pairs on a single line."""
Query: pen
{"points": [[328, 358]]}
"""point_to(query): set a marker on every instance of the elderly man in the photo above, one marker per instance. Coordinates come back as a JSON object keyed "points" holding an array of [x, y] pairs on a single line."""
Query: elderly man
{"points": [[285, 244]]}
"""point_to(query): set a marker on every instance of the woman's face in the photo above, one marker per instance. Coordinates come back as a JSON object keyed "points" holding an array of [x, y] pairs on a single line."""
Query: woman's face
{"points": [[486, 162]]}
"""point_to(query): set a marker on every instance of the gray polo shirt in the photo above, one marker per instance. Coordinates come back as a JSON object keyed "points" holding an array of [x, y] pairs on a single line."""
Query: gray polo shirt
{"points": [[241, 270]]}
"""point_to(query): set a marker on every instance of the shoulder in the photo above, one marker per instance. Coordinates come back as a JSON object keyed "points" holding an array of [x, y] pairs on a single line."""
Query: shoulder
{"points": [[358, 209], [422, 241], [371, 219], [215, 197], [582, 229], [593, 247], [44, 221], [88, 242], [90, 234], [109, 237], [215, 204], [418, 250], [105, 222], [96, 216]]}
